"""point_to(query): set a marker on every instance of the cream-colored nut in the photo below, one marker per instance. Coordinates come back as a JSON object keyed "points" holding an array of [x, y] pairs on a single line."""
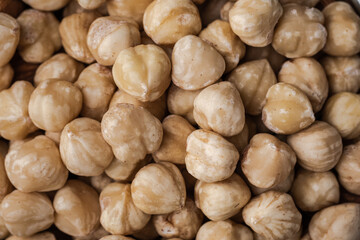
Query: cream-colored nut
{"points": [[308, 75], [9, 37], [273, 215], [299, 32], [309, 3], [60, 66], [55, 136], [225, 10], [39, 236], [97, 86], [83, 148], [254, 20], [287, 109], [222, 200], [94, 235], [46, 5], [173, 147], [109, 35], [5, 184], [253, 79], [343, 73], [267, 161], [318, 147], [39, 36], [283, 186], [224, 230], [90, 4], [53, 104], [36, 166], [77, 208], [195, 63], [25, 214], [343, 26], [295, 236], [73, 31], [116, 237], [131, 131], [15, 122], [147, 233], [119, 214], [336, 222], [219, 35], [74, 7], [274, 58], [159, 188], [100, 182], [6, 76], [241, 140], [166, 21], [143, 72], [183, 223], [209, 157], [342, 111]]}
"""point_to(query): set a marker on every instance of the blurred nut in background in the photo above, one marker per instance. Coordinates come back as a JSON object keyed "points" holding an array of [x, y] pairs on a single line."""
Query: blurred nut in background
{"points": [[225, 230], [309, 3], [39, 236], [100, 182], [224, 12], [92, 4], [46, 5], [274, 58], [55, 136], [9, 37], [6, 76]]}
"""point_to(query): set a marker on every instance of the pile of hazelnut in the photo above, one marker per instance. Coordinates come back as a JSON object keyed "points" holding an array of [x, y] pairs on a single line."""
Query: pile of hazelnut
{"points": [[179, 120]]}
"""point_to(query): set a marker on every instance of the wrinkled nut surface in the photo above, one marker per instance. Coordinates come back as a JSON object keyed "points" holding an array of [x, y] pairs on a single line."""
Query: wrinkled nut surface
{"points": [[267, 161], [287, 109], [222, 200], [92, 4], [273, 215], [143, 72], [209, 157], [254, 20], [15, 122], [336, 222], [309, 3], [39, 236], [4, 232], [166, 21], [19, 209], [53, 104], [219, 108], [343, 26], [83, 149], [159, 188], [74, 7], [95, 235], [300, 32], [253, 79], [283, 186], [6, 76], [108, 36], [36, 166], [318, 147], [225, 230], [100, 182], [46, 5], [274, 58], [191, 60], [308, 75], [9, 37]]}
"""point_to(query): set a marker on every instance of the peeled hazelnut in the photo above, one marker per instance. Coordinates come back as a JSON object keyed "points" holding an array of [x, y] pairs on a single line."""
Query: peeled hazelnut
{"points": [[46, 5], [53, 104], [309, 3], [55, 136], [6, 76], [225, 10], [39, 236], [287, 109], [143, 72], [299, 32], [253, 79], [222, 200], [25, 214], [119, 214], [343, 26], [317, 147], [254, 20], [273, 215], [100, 182], [94, 235], [336, 222], [166, 21], [159, 188], [9, 37], [195, 63], [109, 35], [283, 186], [92, 4], [224, 230], [274, 58], [15, 122], [116, 237], [97, 86], [209, 157]]}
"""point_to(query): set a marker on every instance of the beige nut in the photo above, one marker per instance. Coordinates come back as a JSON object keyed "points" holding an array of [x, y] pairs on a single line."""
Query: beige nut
{"points": [[94, 235], [209, 157], [39, 236], [225, 10], [116, 237], [283, 186], [274, 58], [90, 5], [309, 3], [253, 80], [100, 182], [9, 37], [4, 232], [224, 230], [5, 186], [295, 236], [6, 76], [55, 136], [47, 5], [195, 63]]}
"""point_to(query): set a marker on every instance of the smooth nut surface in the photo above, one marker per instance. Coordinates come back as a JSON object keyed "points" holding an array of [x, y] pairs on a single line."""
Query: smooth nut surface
{"points": [[6, 76], [93, 4], [10, 37], [46, 5], [283, 186], [5, 188], [225, 230]]}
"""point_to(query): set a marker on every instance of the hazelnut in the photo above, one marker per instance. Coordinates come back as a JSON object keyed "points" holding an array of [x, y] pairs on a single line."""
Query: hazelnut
{"points": [[143, 72], [119, 214], [92, 4], [241, 140], [295, 236], [109, 35], [116, 237], [309, 3], [283, 186], [287, 109], [5, 184], [9, 37], [100, 182], [25, 214], [46, 5], [254, 20], [273, 215], [343, 26], [6, 76], [299, 32], [74, 7], [147, 233], [39, 236], [253, 79], [274, 58], [159, 188], [55, 136], [209, 157], [224, 230], [94, 235], [225, 10], [15, 122], [4, 232], [318, 147], [166, 21], [53, 104], [195, 63]]}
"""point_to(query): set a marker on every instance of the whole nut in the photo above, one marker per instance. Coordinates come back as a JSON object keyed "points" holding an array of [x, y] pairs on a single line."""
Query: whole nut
{"points": [[100, 182], [74, 7], [224, 230], [6, 76], [46, 5], [9, 37], [94, 235], [93, 4], [39, 236], [274, 58], [309, 3]]}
